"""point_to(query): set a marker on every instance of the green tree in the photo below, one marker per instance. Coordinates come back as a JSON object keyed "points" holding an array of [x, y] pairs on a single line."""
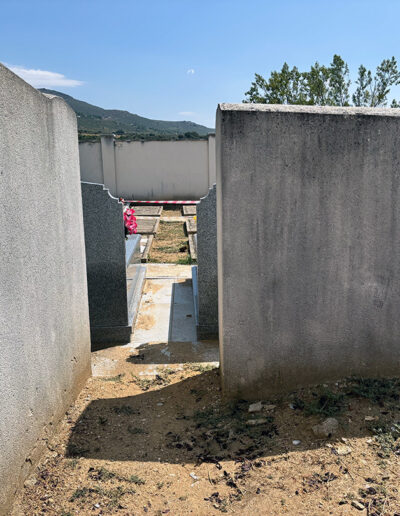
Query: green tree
{"points": [[326, 85], [339, 82], [374, 91]]}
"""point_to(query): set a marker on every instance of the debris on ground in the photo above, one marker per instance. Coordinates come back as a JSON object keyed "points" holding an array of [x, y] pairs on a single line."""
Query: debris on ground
{"points": [[156, 436], [327, 428]]}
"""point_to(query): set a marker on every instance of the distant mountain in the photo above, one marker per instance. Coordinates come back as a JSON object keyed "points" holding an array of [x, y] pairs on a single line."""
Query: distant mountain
{"points": [[96, 120]]}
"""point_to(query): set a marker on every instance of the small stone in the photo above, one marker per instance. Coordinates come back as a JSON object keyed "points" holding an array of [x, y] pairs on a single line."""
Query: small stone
{"points": [[296, 442], [369, 418], [343, 450], [358, 505], [255, 422], [269, 407], [160, 404], [30, 482], [326, 428], [255, 407], [194, 476]]}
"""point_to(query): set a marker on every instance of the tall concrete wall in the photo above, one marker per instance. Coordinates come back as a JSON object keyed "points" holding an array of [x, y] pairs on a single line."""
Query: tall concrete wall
{"points": [[153, 170], [308, 210], [91, 161], [44, 320]]}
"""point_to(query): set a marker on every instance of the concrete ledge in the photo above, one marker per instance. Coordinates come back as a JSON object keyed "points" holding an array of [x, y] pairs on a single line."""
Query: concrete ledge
{"points": [[135, 293], [132, 249], [311, 110]]}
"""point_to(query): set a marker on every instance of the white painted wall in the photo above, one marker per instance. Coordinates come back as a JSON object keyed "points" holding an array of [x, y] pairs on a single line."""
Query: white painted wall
{"points": [[44, 316], [154, 170], [90, 156]]}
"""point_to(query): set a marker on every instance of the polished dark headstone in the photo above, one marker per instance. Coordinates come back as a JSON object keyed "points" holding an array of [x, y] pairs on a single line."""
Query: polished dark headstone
{"points": [[113, 296]]}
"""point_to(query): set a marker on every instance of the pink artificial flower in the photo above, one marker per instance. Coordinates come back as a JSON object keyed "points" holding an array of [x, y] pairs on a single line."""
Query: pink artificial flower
{"points": [[130, 220]]}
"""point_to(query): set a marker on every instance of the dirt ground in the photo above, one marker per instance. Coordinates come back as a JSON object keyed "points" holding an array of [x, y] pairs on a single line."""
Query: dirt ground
{"points": [[169, 444], [151, 434], [171, 211], [170, 244]]}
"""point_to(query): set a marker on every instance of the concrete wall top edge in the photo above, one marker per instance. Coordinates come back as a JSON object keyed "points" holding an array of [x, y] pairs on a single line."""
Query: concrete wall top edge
{"points": [[46, 96], [121, 143], [316, 110]]}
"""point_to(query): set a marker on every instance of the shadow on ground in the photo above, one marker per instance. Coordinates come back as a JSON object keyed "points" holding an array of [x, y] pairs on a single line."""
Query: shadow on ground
{"points": [[188, 422], [175, 353]]}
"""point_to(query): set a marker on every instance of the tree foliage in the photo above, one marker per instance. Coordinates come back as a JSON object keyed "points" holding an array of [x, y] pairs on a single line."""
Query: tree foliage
{"points": [[326, 85]]}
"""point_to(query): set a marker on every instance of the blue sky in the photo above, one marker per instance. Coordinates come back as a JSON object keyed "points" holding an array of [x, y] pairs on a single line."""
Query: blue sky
{"points": [[177, 59]]}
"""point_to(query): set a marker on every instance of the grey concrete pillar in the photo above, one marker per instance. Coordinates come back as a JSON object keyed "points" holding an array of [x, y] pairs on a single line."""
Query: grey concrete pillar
{"points": [[108, 160]]}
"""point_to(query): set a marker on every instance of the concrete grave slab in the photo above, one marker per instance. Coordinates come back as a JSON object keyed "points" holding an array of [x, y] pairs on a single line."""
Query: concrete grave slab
{"points": [[192, 237], [148, 211], [191, 225], [147, 225], [189, 210]]}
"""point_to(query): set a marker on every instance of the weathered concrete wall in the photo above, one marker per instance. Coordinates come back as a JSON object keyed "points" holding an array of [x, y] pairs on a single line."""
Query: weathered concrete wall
{"points": [[90, 160], [44, 320], [207, 268], [153, 170], [212, 172], [308, 206]]}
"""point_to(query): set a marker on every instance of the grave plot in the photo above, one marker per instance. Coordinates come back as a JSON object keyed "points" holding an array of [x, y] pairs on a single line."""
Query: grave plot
{"points": [[170, 244], [176, 244], [147, 228]]}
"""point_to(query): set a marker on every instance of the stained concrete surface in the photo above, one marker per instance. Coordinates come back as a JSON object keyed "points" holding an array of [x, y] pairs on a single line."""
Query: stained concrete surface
{"points": [[165, 327], [315, 192], [44, 317]]}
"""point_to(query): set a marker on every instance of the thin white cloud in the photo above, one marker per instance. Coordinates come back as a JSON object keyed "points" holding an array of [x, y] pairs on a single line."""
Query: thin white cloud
{"points": [[44, 78], [187, 113], [190, 71]]}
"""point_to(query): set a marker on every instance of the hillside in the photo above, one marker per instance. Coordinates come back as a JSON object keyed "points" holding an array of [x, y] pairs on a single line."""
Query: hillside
{"points": [[96, 120]]}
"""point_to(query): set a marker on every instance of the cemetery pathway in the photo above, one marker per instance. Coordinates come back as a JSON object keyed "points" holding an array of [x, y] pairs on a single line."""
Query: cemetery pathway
{"points": [[151, 434]]}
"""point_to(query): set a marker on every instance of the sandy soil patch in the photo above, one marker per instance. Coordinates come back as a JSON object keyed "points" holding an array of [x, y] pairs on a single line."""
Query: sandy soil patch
{"points": [[158, 438]]}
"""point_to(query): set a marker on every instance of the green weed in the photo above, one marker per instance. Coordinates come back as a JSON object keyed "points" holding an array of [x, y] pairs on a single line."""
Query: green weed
{"points": [[326, 404], [134, 479], [378, 390], [117, 378], [126, 410]]}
